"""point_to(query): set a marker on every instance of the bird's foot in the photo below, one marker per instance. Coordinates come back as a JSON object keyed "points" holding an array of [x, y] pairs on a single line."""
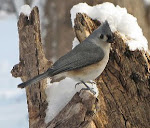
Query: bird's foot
{"points": [[88, 88], [78, 84]]}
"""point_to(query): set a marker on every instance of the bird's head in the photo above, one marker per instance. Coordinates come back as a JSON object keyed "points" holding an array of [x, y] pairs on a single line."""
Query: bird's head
{"points": [[103, 33]]}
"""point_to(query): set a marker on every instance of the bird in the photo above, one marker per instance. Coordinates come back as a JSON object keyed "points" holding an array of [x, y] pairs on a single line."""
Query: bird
{"points": [[83, 63]]}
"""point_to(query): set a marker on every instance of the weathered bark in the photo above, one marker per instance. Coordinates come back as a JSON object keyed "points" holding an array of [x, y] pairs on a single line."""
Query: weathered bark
{"points": [[32, 63], [124, 93]]}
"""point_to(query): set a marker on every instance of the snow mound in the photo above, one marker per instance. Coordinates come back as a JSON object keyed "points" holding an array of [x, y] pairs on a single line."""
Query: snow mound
{"points": [[60, 93], [26, 10], [75, 42], [118, 19]]}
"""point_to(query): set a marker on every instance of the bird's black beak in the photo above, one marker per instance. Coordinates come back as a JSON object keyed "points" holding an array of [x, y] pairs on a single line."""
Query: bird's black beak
{"points": [[110, 39]]}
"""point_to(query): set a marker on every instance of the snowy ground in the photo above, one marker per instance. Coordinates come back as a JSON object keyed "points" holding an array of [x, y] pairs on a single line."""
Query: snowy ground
{"points": [[13, 108]]}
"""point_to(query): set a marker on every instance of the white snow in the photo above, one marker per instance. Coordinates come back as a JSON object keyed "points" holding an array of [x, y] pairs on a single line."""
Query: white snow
{"points": [[60, 93], [26, 10], [75, 42], [118, 19]]}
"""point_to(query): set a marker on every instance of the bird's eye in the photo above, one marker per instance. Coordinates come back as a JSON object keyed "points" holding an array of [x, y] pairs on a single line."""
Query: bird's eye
{"points": [[101, 36]]}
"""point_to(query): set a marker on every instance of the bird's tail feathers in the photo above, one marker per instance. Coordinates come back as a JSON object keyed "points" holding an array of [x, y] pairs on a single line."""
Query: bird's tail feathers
{"points": [[35, 79]]}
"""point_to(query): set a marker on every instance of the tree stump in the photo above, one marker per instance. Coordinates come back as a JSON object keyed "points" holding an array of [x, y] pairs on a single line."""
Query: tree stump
{"points": [[32, 63], [124, 86]]}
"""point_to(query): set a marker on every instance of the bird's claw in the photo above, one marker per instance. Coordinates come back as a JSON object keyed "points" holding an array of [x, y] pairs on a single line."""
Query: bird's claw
{"points": [[87, 87], [90, 89], [77, 84]]}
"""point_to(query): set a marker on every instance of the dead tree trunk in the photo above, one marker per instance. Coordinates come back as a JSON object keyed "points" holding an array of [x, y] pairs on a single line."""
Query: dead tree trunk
{"points": [[124, 93], [32, 63]]}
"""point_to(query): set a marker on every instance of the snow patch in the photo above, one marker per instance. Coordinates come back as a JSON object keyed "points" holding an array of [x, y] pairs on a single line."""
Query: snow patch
{"points": [[26, 10], [75, 42], [118, 19], [60, 93]]}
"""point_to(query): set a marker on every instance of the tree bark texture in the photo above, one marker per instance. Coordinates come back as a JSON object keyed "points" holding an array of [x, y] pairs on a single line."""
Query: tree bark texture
{"points": [[124, 86], [32, 62]]}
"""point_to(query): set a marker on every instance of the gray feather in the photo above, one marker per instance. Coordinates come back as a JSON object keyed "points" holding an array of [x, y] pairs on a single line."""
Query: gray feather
{"points": [[35, 79], [82, 55]]}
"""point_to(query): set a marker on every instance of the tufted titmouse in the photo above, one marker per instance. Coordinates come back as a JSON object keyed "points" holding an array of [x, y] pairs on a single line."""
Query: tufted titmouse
{"points": [[85, 62]]}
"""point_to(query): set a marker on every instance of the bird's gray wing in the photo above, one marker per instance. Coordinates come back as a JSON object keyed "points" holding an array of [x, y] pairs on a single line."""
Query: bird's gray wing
{"points": [[82, 55]]}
